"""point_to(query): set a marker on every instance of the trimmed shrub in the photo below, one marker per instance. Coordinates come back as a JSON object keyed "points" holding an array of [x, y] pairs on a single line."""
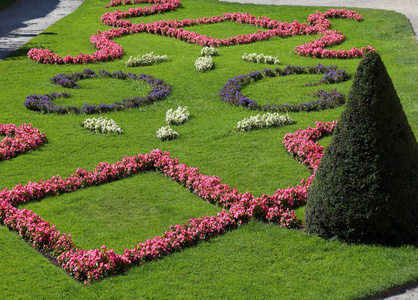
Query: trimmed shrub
{"points": [[366, 187]]}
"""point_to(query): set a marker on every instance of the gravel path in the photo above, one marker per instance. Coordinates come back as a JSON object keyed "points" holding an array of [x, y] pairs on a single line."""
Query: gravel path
{"points": [[25, 19]]}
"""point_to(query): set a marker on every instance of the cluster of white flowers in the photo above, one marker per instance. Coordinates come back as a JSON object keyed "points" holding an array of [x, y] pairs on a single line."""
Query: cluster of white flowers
{"points": [[209, 51], [203, 64], [102, 125], [264, 121], [261, 58], [178, 116], [145, 60], [173, 117], [167, 133]]}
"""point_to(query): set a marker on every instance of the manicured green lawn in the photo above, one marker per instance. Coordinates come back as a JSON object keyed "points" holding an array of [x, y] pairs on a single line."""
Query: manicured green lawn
{"points": [[256, 261]]}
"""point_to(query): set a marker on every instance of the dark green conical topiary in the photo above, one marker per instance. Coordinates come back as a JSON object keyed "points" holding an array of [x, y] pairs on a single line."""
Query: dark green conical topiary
{"points": [[366, 187]]}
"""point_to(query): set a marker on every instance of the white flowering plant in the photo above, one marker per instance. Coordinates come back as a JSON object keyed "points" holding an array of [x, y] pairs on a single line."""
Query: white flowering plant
{"points": [[264, 121], [209, 51], [145, 60], [167, 133], [203, 64], [261, 59], [178, 116], [102, 125]]}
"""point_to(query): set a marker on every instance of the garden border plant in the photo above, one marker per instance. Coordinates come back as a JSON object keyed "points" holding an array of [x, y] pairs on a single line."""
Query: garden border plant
{"points": [[166, 133], [89, 265], [265, 121], [45, 104], [260, 58], [231, 93], [109, 50], [102, 125], [147, 59], [19, 139], [178, 116]]}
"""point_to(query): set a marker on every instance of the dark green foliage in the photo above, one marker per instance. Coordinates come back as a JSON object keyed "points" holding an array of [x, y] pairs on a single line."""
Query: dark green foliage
{"points": [[366, 187]]}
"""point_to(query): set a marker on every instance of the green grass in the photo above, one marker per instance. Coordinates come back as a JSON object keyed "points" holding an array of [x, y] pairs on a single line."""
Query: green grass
{"points": [[123, 212], [255, 261]]}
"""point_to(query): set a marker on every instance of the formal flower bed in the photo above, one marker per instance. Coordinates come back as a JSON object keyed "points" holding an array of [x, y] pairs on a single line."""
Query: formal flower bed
{"points": [[146, 60], [45, 104], [89, 265], [265, 121], [231, 93], [102, 125], [19, 139], [261, 58], [318, 23]]}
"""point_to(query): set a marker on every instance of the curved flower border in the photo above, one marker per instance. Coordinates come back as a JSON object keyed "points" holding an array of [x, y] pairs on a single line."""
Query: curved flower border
{"points": [[45, 104], [231, 93], [318, 23], [90, 265], [19, 139]]}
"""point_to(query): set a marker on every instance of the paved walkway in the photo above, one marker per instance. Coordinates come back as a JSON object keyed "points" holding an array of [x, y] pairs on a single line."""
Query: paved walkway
{"points": [[25, 19]]}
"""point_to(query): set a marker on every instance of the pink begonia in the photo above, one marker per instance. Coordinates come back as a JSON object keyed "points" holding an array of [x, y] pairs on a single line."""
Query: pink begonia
{"points": [[109, 50], [19, 139], [94, 264]]}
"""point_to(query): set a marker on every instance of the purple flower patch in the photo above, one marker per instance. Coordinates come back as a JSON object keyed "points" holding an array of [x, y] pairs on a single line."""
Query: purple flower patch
{"points": [[231, 93], [45, 103]]}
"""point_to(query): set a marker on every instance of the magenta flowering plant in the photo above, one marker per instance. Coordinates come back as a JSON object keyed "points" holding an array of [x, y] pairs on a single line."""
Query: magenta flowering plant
{"points": [[19, 139], [108, 49], [94, 264], [302, 144]]}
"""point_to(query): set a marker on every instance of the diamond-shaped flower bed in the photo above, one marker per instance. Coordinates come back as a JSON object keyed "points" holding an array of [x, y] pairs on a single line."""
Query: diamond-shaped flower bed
{"points": [[89, 265], [122, 213]]}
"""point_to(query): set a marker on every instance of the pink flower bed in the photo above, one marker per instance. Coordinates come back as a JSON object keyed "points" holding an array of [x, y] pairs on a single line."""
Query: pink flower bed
{"points": [[302, 144], [318, 23], [89, 265], [19, 139]]}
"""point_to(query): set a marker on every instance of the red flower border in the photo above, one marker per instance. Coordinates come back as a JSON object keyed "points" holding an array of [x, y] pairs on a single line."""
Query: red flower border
{"points": [[109, 50], [19, 139], [89, 265]]}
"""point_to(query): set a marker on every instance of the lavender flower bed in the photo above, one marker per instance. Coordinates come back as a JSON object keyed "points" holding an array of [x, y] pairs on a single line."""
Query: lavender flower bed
{"points": [[322, 99], [45, 104]]}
